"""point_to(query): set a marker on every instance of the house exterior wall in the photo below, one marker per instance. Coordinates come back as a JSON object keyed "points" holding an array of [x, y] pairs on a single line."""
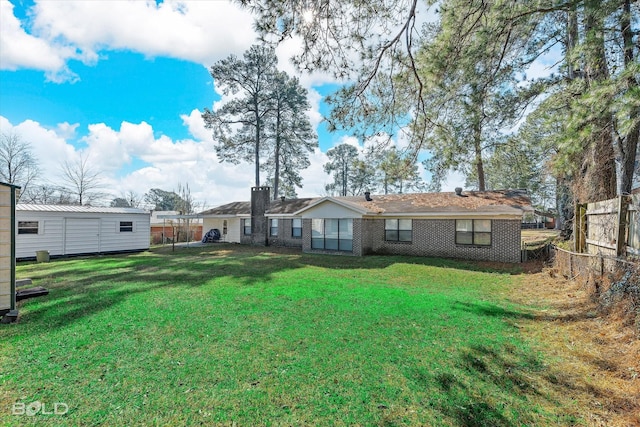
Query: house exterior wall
{"points": [[63, 233], [233, 228], [330, 210], [284, 237], [436, 237]]}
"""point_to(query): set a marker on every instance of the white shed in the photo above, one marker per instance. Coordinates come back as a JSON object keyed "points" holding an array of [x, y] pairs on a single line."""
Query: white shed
{"points": [[77, 230], [7, 249]]}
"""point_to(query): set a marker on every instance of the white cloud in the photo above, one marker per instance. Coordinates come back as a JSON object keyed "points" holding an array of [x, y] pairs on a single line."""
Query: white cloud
{"points": [[195, 124], [169, 163], [18, 49], [197, 31], [453, 180]]}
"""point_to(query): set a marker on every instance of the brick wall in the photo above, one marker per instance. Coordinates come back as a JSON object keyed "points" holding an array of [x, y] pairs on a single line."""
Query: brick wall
{"points": [[431, 237], [284, 238], [436, 237]]}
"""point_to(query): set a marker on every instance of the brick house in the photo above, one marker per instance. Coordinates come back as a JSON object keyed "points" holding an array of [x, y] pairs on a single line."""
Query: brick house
{"points": [[470, 225]]}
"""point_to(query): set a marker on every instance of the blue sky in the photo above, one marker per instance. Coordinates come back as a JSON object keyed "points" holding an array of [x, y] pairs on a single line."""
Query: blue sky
{"points": [[125, 83]]}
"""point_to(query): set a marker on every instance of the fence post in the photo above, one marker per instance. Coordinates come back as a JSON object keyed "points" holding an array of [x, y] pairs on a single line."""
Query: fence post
{"points": [[621, 226], [580, 228]]}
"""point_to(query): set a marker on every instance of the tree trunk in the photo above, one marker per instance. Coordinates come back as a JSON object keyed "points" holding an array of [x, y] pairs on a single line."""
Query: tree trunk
{"points": [[276, 177], [257, 146], [600, 170], [628, 145], [477, 147]]}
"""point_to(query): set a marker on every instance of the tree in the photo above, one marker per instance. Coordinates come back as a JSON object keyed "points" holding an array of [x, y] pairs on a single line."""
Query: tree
{"points": [[399, 172], [18, 165], [385, 55], [119, 202], [162, 200], [130, 199], [341, 160], [238, 125], [82, 180], [290, 133]]}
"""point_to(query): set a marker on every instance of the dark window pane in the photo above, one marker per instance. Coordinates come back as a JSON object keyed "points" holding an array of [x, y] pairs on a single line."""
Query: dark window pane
{"points": [[391, 235], [404, 236], [464, 238], [331, 244], [483, 239], [346, 245]]}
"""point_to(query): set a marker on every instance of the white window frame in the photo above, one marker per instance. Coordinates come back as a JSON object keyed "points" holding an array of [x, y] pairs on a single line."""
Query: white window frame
{"points": [[321, 237], [120, 227], [400, 228], [37, 228], [246, 227], [475, 234]]}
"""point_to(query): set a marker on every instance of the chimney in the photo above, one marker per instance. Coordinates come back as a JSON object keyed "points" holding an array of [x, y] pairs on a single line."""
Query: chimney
{"points": [[367, 196], [458, 191], [259, 204]]}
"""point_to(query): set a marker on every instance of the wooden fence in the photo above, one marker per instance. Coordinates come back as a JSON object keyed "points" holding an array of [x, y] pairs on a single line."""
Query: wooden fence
{"points": [[609, 227], [575, 265]]}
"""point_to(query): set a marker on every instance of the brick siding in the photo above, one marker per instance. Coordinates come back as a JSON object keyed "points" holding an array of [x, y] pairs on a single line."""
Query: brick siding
{"points": [[437, 238], [431, 237], [284, 237]]}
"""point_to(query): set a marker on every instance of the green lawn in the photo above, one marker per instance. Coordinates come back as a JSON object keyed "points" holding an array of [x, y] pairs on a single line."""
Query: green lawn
{"points": [[228, 334]]}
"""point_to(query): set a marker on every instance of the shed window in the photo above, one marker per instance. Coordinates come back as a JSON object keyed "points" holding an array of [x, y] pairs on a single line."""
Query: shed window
{"points": [[332, 234], [398, 230], [273, 227], [476, 232], [296, 228], [126, 226], [246, 226], [224, 226], [27, 227]]}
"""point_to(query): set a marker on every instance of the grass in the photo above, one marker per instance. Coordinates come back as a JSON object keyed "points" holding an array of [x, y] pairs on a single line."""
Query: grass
{"points": [[229, 335]]}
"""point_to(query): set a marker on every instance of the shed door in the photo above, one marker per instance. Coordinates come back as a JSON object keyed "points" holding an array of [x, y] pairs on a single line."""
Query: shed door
{"points": [[82, 236]]}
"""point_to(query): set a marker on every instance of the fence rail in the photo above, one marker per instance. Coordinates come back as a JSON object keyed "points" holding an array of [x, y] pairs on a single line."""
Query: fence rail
{"points": [[609, 227], [574, 265]]}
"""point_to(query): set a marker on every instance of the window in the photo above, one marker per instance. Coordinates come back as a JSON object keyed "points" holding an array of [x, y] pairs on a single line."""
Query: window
{"points": [[246, 226], [224, 227], [273, 227], [398, 230], [296, 228], [332, 234], [473, 232], [27, 227], [126, 226]]}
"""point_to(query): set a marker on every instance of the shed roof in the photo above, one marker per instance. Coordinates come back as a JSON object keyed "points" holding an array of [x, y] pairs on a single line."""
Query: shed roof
{"points": [[6, 184], [78, 209]]}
